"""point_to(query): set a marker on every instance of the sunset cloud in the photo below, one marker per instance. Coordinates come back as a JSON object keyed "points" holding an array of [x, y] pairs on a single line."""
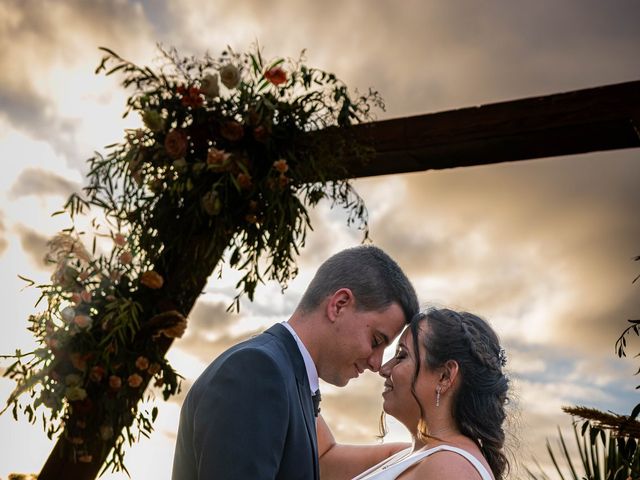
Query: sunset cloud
{"points": [[543, 248]]}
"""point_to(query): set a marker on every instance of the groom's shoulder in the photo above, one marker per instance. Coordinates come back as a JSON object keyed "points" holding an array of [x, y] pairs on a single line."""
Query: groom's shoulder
{"points": [[263, 347]]}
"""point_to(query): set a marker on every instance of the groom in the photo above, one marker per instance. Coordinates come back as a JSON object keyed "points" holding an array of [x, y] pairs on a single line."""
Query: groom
{"points": [[250, 415]]}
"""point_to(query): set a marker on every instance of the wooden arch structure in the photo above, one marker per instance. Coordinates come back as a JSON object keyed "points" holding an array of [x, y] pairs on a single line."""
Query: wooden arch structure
{"points": [[595, 119]]}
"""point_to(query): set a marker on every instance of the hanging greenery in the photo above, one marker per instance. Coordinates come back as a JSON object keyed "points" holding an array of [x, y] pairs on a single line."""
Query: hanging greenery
{"points": [[227, 153]]}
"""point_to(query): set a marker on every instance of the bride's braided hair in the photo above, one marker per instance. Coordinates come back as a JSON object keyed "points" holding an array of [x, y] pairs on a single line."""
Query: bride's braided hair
{"points": [[479, 403]]}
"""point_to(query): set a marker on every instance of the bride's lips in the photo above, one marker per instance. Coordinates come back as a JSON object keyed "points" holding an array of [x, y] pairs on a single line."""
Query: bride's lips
{"points": [[388, 386]]}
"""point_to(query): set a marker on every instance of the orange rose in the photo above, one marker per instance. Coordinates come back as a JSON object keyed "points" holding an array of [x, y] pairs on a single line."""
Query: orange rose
{"points": [[276, 75], [152, 279]]}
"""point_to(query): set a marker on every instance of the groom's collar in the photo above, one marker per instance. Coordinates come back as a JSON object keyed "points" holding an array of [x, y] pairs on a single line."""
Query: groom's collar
{"points": [[312, 372]]}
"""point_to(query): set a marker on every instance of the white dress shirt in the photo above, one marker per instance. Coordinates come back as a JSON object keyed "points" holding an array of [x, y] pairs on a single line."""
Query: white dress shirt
{"points": [[312, 372]]}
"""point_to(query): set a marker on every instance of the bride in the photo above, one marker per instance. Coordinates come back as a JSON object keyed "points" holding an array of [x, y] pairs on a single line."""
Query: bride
{"points": [[446, 385]]}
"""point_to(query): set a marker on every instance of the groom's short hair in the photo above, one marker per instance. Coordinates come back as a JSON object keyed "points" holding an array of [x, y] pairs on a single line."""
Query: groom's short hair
{"points": [[373, 277]]}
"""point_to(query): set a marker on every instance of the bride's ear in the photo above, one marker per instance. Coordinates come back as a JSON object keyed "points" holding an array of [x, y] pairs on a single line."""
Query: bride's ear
{"points": [[449, 374]]}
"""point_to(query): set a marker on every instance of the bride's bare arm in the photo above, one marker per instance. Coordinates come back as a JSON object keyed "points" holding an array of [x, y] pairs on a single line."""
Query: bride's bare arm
{"points": [[343, 462]]}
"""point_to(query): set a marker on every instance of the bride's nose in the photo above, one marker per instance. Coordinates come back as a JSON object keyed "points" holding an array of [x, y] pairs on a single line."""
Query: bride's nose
{"points": [[385, 369]]}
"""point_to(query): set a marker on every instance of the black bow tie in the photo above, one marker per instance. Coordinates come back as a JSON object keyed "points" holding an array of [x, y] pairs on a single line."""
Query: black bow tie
{"points": [[316, 402]]}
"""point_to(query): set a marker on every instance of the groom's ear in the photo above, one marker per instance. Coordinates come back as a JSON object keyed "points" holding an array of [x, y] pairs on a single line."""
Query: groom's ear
{"points": [[338, 302]]}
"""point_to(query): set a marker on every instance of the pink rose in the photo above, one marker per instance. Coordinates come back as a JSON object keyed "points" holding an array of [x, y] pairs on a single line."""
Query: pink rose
{"points": [[175, 143]]}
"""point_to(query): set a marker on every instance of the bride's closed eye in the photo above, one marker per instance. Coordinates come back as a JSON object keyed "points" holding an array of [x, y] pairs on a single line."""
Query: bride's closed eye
{"points": [[400, 354]]}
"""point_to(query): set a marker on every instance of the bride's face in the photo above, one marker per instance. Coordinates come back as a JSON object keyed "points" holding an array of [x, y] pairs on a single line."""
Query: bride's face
{"points": [[398, 373]]}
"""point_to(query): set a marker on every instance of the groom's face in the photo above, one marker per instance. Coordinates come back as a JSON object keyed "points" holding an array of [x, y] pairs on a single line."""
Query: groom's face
{"points": [[360, 339]]}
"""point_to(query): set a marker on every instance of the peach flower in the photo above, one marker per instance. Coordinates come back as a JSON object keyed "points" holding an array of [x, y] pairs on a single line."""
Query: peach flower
{"points": [[142, 363], [134, 380], [281, 165], [115, 382], [218, 158], [152, 280], [244, 181], [83, 321]]}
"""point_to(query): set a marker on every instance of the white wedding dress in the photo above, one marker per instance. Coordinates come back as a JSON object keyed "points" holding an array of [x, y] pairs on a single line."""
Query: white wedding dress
{"points": [[393, 466]]}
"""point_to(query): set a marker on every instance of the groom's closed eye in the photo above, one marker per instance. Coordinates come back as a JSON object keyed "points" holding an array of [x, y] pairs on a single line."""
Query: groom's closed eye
{"points": [[378, 340]]}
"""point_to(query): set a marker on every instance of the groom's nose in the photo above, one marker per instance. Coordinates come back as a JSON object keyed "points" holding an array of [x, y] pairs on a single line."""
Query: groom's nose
{"points": [[375, 360]]}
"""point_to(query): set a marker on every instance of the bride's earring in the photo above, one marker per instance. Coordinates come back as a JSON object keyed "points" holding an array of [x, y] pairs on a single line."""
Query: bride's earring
{"points": [[438, 396]]}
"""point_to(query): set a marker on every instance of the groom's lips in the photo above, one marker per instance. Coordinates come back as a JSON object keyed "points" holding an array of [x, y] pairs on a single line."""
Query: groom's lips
{"points": [[387, 387]]}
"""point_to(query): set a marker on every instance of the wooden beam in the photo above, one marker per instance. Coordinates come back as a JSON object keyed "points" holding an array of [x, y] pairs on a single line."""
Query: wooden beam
{"points": [[594, 119]]}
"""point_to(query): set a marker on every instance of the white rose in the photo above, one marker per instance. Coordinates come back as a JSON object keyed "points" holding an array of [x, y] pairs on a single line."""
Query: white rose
{"points": [[68, 314], [230, 75], [75, 393], [209, 86]]}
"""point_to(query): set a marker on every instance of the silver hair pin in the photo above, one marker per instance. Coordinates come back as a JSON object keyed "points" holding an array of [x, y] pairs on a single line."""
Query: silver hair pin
{"points": [[502, 357]]}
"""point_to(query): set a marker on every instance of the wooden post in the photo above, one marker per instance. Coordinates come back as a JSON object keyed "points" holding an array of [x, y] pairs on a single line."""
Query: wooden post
{"points": [[184, 284]]}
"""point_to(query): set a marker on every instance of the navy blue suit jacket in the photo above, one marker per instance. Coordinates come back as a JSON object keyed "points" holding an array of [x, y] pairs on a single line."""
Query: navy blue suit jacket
{"points": [[250, 415]]}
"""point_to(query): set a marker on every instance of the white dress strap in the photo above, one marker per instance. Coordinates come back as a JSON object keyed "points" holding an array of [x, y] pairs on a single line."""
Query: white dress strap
{"points": [[484, 473], [392, 467]]}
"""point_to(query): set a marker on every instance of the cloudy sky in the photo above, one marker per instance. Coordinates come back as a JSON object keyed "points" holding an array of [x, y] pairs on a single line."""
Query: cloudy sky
{"points": [[542, 248]]}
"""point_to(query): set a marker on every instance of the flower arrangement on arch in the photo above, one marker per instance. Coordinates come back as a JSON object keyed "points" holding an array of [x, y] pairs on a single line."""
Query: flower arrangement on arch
{"points": [[227, 152]]}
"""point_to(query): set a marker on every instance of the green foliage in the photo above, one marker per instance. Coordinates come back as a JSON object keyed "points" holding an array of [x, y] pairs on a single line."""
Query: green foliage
{"points": [[602, 456]]}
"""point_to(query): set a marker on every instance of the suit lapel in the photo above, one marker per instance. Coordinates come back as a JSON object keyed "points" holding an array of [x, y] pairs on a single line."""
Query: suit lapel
{"points": [[302, 382]]}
